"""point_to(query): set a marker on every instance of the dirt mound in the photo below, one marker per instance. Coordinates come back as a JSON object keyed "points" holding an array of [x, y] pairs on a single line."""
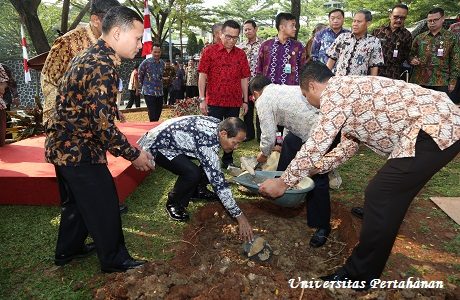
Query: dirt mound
{"points": [[209, 261]]}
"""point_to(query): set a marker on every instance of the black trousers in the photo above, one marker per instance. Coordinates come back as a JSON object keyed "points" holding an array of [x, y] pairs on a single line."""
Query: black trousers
{"points": [[318, 199], [133, 99], [174, 95], [387, 198], [221, 113], [249, 121], [89, 204], [154, 106], [190, 177], [191, 91]]}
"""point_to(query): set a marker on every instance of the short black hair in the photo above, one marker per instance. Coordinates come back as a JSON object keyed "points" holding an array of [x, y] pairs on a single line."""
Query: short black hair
{"points": [[336, 10], [367, 14], [119, 16], [283, 17], [157, 45], [258, 82], [252, 22], [101, 7], [232, 126], [437, 10], [232, 24], [400, 5], [314, 71]]}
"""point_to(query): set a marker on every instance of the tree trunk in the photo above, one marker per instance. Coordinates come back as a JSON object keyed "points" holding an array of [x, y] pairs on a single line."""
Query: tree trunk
{"points": [[27, 10], [65, 16], [80, 16], [295, 10]]}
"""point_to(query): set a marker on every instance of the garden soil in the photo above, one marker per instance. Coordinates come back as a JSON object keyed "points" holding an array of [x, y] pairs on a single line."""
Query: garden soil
{"points": [[209, 262]]}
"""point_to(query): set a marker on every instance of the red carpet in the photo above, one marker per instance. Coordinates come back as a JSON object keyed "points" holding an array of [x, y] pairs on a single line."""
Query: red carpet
{"points": [[26, 179]]}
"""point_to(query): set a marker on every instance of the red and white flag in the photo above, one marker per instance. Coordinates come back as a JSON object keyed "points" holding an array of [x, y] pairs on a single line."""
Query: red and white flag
{"points": [[25, 56], [147, 37]]}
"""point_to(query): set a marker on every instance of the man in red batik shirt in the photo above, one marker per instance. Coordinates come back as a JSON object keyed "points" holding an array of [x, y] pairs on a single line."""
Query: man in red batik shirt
{"points": [[224, 73]]}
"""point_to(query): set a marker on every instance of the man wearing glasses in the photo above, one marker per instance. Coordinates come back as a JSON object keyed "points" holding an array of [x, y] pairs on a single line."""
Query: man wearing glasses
{"points": [[435, 55], [396, 42], [223, 79]]}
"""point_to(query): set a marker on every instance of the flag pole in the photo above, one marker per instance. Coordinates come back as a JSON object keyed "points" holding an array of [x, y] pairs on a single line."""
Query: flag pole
{"points": [[147, 37]]}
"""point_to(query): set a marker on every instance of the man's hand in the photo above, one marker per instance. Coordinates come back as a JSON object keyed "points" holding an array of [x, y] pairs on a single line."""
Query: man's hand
{"points": [[415, 61], [245, 228], [451, 87], [273, 188], [244, 106], [261, 157], [204, 108], [122, 117], [144, 162], [16, 102], [277, 148]]}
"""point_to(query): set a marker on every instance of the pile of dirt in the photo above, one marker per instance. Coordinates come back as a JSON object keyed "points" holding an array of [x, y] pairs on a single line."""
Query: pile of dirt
{"points": [[209, 261]]}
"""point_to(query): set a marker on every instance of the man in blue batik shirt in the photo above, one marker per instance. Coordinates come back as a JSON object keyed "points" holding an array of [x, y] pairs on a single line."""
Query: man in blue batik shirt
{"points": [[324, 39], [151, 78], [176, 142]]}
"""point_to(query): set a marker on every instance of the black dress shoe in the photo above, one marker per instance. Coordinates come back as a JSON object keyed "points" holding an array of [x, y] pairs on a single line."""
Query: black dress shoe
{"points": [[204, 194], [342, 275], [123, 208], [358, 212], [61, 260], [128, 264], [319, 238], [177, 213]]}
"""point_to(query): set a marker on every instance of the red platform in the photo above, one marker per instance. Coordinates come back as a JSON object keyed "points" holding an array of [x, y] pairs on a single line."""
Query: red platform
{"points": [[27, 179]]}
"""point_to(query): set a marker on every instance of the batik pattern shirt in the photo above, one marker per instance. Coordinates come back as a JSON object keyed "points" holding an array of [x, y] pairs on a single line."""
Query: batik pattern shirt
{"points": [[322, 41], [151, 76], [191, 76], [284, 105], [63, 50], [252, 53], [396, 48], [168, 75], [355, 56], [281, 63], [82, 127], [385, 115], [197, 137], [455, 28], [439, 57]]}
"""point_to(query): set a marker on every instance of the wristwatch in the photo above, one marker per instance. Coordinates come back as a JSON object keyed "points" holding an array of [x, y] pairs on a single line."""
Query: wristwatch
{"points": [[201, 99]]}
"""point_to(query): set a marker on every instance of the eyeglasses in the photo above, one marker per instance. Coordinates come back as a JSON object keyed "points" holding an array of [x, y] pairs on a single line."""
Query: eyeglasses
{"points": [[433, 20], [402, 18], [230, 37]]}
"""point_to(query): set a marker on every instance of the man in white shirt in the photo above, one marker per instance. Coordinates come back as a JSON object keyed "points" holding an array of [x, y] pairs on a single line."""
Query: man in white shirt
{"points": [[285, 105]]}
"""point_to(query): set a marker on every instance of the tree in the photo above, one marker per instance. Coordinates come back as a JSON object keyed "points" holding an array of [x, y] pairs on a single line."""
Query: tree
{"points": [[27, 10], [295, 10], [192, 44], [200, 45]]}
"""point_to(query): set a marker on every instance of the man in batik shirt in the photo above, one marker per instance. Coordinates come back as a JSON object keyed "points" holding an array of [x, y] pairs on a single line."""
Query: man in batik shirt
{"points": [[455, 95], [282, 57], [396, 42], [79, 132], [191, 79], [67, 47], [168, 77], [356, 52], [435, 55], [178, 141], [151, 79], [417, 128], [324, 38], [251, 48]]}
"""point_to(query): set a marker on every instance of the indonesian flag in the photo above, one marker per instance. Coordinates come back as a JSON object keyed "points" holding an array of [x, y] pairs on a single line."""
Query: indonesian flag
{"points": [[25, 56], [147, 37]]}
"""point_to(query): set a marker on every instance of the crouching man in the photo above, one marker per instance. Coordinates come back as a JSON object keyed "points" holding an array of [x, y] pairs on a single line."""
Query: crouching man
{"points": [[417, 128], [178, 141]]}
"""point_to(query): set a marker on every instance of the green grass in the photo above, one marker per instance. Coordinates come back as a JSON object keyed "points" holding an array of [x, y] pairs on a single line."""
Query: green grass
{"points": [[28, 233]]}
